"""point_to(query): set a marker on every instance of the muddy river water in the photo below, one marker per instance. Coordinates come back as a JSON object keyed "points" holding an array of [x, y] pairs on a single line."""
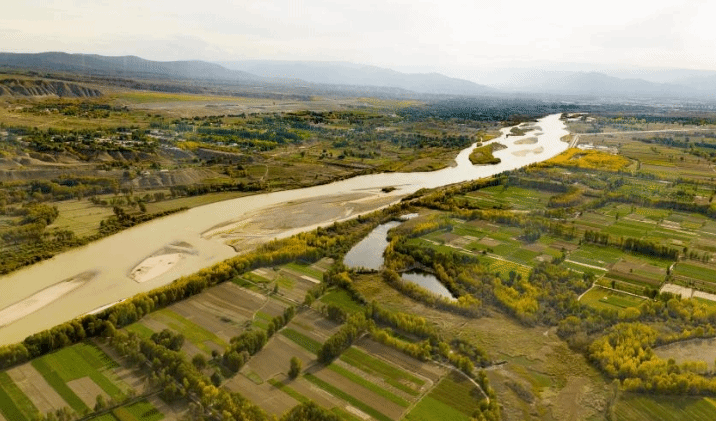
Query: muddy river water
{"points": [[155, 253]]}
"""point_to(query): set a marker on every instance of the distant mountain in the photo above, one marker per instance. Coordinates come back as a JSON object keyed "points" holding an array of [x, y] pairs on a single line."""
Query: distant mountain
{"points": [[125, 66], [596, 84], [344, 73]]}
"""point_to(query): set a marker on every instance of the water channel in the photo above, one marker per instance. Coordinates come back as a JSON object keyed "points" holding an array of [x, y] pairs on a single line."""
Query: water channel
{"points": [[145, 257]]}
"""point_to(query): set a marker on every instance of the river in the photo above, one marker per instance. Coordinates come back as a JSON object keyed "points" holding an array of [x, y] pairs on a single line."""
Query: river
{"points": [[101, 273]]}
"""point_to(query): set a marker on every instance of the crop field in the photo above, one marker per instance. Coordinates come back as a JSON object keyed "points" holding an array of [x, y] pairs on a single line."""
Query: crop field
{"points": [[695, 271], [139, 411], [71, 377], [635, 407], [85, 365], [14, 404], [80, 216], [210, 319], [340, 298], [368, 379], [602, 298], [516, 198], [454, 398]]}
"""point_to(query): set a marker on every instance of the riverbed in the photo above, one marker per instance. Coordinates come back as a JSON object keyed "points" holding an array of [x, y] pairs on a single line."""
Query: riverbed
{"points": [[210, 231]]}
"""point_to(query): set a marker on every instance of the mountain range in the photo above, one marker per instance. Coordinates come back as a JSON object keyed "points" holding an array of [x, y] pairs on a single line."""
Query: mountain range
{"points": [[634, 83]]}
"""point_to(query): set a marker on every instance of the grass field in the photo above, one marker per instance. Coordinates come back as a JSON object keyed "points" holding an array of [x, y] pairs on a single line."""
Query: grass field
{"points": [[602, 298], [634, 407], [340, 298]]}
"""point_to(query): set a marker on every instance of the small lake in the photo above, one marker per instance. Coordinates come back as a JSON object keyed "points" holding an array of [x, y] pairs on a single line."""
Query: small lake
{"points": [[368, 254], [429, 282]]}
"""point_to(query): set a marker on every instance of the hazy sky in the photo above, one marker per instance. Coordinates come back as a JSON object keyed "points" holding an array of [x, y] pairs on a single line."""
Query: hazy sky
{"points": [[451, 36]]}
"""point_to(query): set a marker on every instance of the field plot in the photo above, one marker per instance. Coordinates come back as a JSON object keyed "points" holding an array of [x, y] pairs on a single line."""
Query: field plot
{"points": [[368, 380], [78, 370], [453, 399], [210, 319], [292, 280], [505, 266], [14, 404], [138, 411], [600, 257], [340, 298], [80, 216], [635, 407], [602, 298], [695, 275], [512, 197], [34, 386]]}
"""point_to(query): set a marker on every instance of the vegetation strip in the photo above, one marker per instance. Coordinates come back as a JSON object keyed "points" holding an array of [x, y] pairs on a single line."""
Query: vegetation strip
{"points": [[13, 403], [60, 386], [288, 390], [346, 397], [304, 341], [368, 385], [367, 363]]}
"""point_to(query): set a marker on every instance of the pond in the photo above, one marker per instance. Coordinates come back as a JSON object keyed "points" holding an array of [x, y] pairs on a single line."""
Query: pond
{"points": [[368, 254]]}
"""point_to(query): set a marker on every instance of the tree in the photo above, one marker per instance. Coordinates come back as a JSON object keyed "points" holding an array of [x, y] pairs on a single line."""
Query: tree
{"points": [[199, 361], [100, 403], [295, 369], [216, 379]]}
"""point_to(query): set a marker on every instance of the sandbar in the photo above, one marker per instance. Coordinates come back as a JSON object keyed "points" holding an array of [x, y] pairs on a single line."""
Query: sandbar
{"points": [[42, 298]]}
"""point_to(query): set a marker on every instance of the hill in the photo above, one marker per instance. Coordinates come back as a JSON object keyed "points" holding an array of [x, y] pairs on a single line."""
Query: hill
{"points": [[125, 66], [344, 73], [38, 87]]}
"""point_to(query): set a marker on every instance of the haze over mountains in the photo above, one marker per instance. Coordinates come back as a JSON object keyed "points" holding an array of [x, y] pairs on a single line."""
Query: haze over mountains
{"points": [[634, 82]]}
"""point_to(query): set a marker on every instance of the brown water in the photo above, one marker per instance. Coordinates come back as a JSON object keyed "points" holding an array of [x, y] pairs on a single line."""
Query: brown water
{"points": [[113, 258]]}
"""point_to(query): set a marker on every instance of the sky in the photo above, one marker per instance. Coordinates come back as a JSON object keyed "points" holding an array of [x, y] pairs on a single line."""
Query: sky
{"points": [[454, 37]]}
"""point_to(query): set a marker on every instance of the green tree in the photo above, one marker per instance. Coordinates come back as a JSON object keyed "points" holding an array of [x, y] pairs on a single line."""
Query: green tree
{"points": [[296, 366]]}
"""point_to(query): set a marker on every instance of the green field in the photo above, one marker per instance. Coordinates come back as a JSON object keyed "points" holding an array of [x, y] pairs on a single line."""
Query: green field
{"points": [[14, 405], [602, 298], [368, 385], [454, 398], [194, 333], [695, 272], [139, 329], [392, 375], [346, 397], [144, 411], [288, 390], [77, 361], [305, 269], [634, 407], [340, 298], [304, 341]]}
